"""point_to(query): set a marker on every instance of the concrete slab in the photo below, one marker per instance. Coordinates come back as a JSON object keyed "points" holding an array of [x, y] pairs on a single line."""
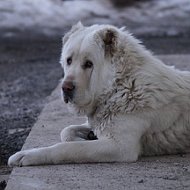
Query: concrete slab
{"points": [[167, 172]]}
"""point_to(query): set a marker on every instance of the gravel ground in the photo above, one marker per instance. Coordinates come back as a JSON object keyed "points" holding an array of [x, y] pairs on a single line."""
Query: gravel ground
{"points": [[30, 70]]}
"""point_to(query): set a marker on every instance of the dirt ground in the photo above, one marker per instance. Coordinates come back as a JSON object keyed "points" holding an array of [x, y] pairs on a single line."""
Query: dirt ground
{"points": [[30, 70]]}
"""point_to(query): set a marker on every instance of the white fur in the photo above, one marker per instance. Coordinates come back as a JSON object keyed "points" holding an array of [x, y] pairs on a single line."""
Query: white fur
{"points": [[135, 104]]}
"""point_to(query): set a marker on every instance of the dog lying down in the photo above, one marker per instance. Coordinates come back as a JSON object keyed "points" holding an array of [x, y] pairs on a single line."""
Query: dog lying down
{"points": [[135, 104]]}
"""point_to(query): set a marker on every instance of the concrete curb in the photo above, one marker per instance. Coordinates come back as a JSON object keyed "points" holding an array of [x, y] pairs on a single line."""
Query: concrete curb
{"points": [[168, 172]]}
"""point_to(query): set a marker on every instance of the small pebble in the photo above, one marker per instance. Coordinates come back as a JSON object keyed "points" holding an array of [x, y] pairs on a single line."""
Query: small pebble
{"points": [[3, 184], [141, 181]]}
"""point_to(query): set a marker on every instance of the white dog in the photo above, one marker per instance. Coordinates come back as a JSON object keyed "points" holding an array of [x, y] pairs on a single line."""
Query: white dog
{"points": [[135, 104]]}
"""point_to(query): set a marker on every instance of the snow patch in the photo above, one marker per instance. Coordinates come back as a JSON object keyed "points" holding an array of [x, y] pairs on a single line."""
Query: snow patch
{"points": [[52, 16]]}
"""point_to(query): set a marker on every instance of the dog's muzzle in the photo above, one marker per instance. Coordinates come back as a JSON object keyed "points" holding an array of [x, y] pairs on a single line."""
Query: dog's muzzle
{"points": [[68, 91]]}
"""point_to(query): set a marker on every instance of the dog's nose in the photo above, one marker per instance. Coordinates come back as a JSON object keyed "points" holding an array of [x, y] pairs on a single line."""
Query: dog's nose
{"points": [[68, 89]]}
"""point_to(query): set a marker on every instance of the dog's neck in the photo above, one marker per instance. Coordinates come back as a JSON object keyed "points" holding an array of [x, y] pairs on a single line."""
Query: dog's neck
{"points": [[121, 97], [88, 111]]}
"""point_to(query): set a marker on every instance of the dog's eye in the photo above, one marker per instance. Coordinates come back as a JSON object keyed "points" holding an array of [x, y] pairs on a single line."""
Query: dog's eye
{"points": [[87, 65], [69, 61]]}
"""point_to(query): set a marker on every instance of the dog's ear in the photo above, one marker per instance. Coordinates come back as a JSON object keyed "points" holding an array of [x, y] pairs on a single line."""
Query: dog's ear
{"points": [[74, 28], [109, 38]]}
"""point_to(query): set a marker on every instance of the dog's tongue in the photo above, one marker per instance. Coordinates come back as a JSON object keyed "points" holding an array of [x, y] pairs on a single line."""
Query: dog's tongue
{"points": [[66, 100]]}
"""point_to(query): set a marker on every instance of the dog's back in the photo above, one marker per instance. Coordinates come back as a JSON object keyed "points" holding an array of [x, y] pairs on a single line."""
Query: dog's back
{"points": [[170, 132]]}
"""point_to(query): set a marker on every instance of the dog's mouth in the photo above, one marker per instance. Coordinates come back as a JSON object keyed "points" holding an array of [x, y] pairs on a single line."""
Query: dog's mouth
{"points": [[67, 99]]}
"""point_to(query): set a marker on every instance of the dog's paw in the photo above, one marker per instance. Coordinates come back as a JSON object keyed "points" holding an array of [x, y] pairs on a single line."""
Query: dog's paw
{"points": [[16, 159], [24, 158]]}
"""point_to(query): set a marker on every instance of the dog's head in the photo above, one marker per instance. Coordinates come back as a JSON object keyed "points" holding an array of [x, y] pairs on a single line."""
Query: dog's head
{"points": [[87, 62]]}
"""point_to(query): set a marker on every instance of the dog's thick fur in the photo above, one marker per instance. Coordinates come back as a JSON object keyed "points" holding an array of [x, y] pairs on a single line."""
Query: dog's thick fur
{"points": [[135, 104]]}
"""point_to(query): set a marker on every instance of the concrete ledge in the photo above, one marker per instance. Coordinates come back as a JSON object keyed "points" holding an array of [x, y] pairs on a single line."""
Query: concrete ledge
{"points": [[168, 172]]}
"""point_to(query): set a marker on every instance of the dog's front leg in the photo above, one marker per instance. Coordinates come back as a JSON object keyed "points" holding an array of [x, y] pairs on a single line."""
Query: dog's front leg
{"points": [[104, 150], [122, 146], [76, 133]]}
